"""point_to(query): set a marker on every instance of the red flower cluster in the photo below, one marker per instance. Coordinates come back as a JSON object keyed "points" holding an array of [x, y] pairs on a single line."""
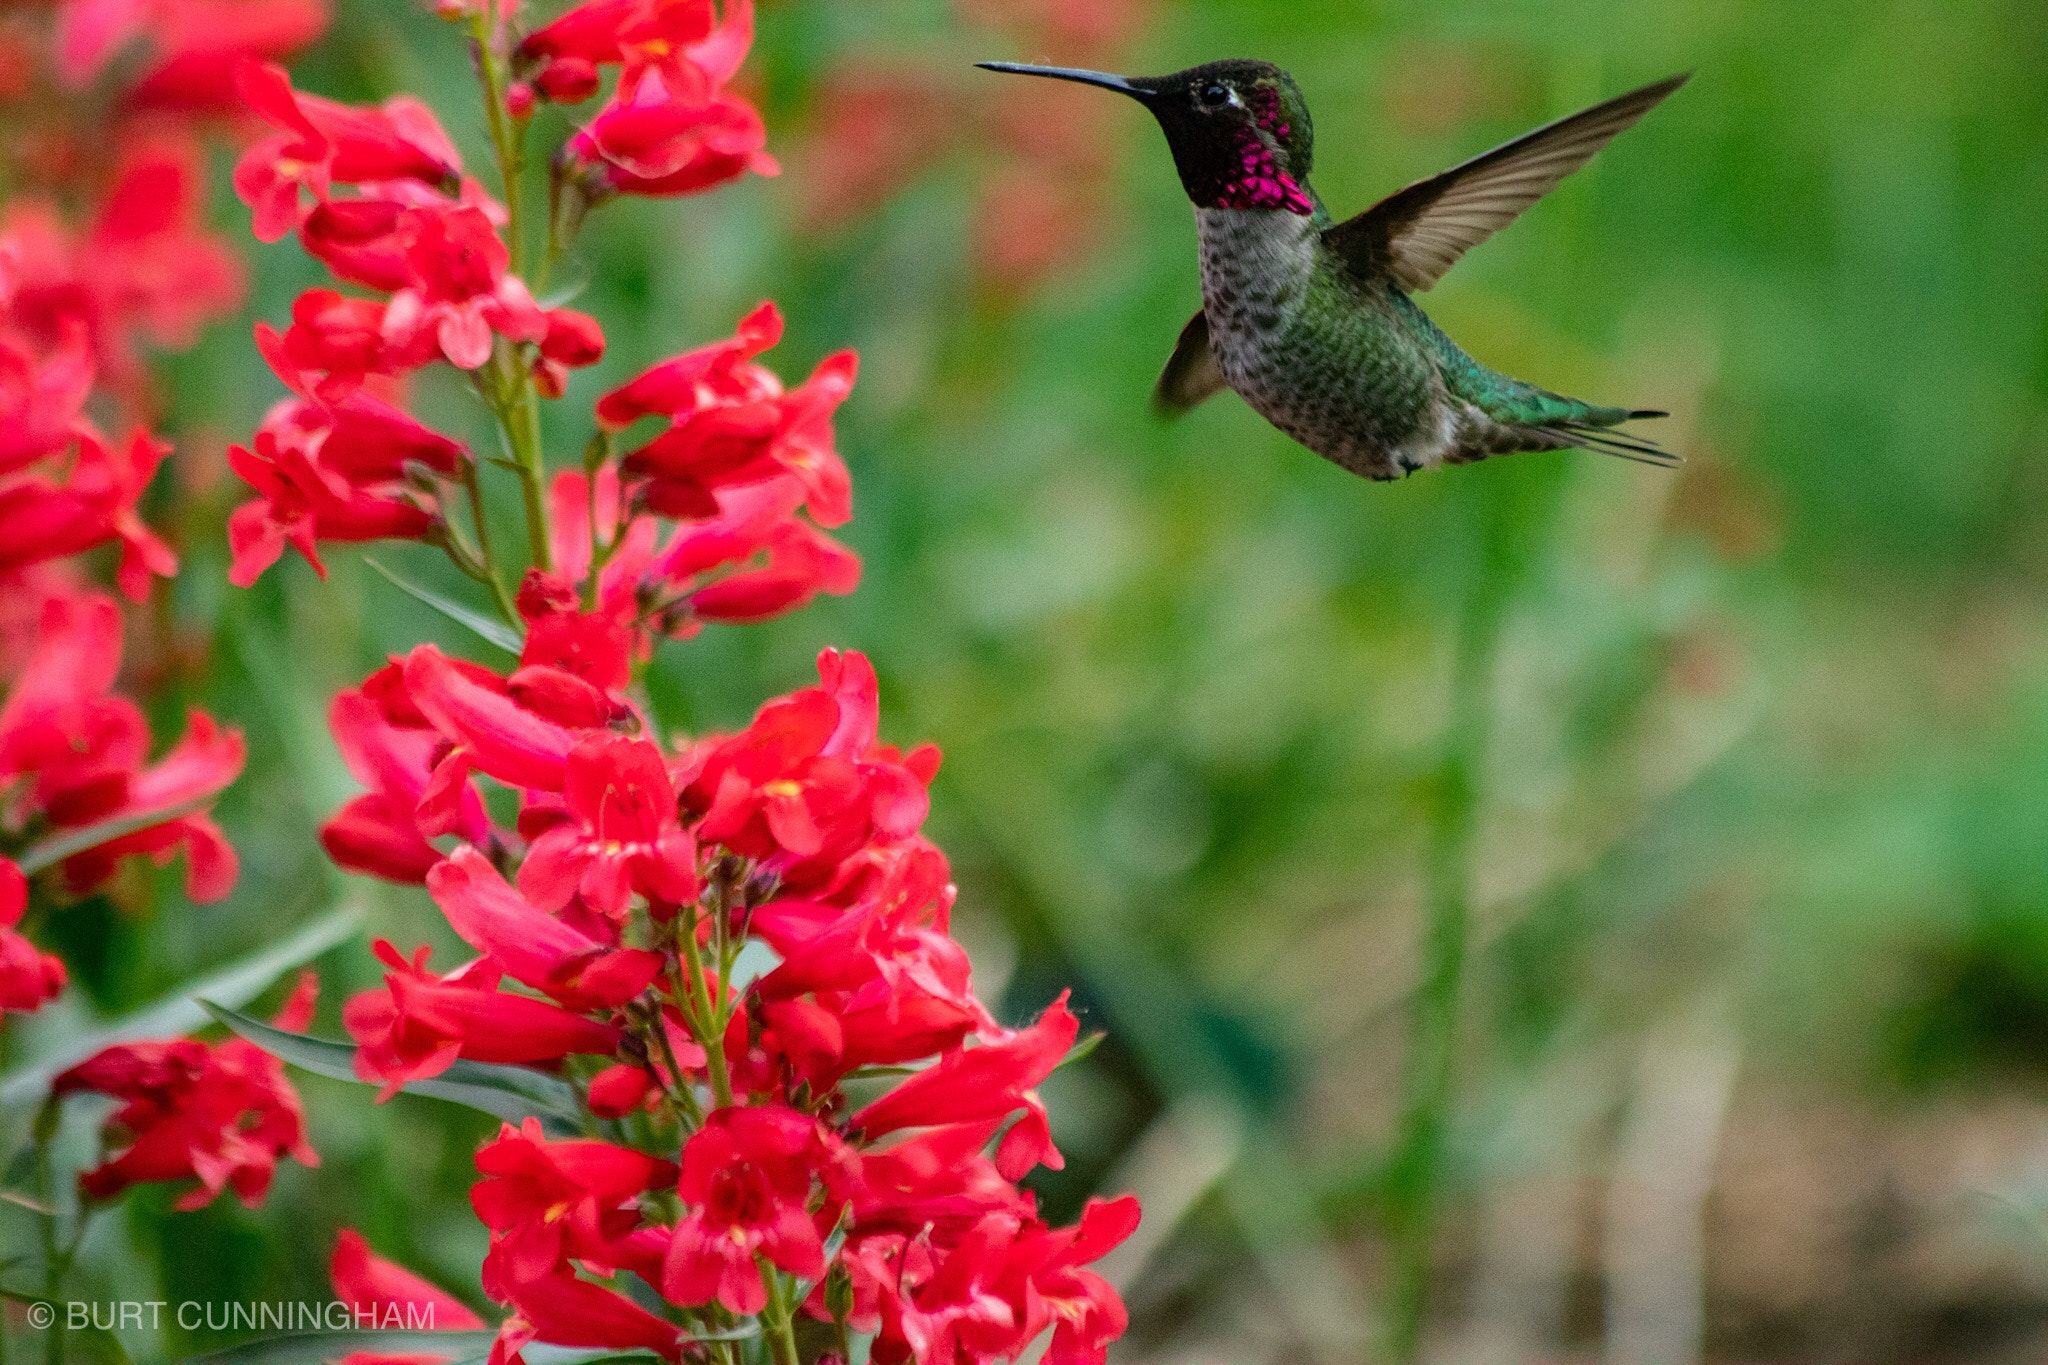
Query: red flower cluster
{"points": [[75, 754], [144, 79], [80, 299], [220, 1114], [606, 878], [670, 126], [802, 832], [28, 978]]}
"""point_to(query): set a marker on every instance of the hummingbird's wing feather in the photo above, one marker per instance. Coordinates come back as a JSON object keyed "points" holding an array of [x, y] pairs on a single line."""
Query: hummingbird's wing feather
{"points": [[1418, 233], [1191, 373]]}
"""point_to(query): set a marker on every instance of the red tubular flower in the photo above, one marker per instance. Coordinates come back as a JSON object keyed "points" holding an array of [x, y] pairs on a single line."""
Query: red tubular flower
{"points": [[420, 1023], [458, 293], [296, 506], [41, 519], [197, 768], [320, 142], [564, 1311], [221, 1115], [608, 32], [992, 1290], [747, 1177], [573, 341], [382, 1294], [1045, 1278], [332, 473], [335, 343], [196, 44], [669, 128], [532, 947], [85, 751], [378, 833], [938, 1180], [491, 731], [747, 439], [731, 423], [804, 785], [42, 397], [592, 646], [148, 254], [873, 987], [673, 385], [546, 1202], [987, 1082], [621, 834], [28, 978], [801, 563]]}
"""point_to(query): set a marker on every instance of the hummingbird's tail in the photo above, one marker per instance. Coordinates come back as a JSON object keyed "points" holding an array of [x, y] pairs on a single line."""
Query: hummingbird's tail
{"points": [[1593, 433], [1534, 419]]}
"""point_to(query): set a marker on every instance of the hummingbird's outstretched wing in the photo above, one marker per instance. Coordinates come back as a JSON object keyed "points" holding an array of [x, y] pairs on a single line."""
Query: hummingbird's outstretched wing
{"points": [[1191, 373], [1418, 233]]}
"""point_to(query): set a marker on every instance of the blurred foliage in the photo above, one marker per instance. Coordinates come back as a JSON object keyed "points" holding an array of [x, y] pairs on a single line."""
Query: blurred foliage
{"points": [[1771, 732]]}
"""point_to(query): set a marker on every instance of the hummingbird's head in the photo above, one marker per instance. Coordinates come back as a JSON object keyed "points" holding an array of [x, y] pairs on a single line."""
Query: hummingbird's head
{"points": [[1239, 130]]}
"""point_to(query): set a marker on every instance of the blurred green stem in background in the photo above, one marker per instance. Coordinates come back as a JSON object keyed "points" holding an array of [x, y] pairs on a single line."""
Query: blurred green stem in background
{"points": [[1510, 513]]}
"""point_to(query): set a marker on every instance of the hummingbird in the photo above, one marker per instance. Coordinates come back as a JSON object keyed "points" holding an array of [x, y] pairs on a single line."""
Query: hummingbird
{"points": [[1312, 321]]}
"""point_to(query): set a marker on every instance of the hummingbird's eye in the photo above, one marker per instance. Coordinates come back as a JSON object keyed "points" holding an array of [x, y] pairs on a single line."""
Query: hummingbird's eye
{"points": [[1214, 95]]}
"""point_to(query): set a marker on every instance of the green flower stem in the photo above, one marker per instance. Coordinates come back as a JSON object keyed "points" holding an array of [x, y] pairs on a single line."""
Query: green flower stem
{"points": [[514, 401], [708, 1027], [486, 567], [46, 1195], [685, 1101], [775, 1318], [523, 426], [505, 139]]}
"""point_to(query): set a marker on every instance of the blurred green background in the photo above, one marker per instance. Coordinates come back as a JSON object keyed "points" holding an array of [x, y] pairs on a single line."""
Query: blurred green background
{"points": [[1753, 1062]]}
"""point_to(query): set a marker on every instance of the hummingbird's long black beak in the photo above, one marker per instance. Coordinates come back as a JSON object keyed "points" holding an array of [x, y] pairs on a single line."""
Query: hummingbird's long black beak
{"points": [[1108, 81]]}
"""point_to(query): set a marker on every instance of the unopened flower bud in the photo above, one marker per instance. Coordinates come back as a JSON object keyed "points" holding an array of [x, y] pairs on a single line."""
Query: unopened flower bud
{"points": [[519, 100], [568, 80], [574, 339]]}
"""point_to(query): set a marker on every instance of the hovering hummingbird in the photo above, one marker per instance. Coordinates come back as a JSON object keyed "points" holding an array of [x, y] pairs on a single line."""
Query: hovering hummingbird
{"points": [[1310, 320]]}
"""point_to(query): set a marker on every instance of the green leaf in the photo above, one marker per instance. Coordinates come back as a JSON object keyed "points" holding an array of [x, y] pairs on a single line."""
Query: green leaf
{"points": [[487, 629], [57, 848], [178, 1014], [105, 1346], [511, 1093], [1082, 1049], [316, 1348]]}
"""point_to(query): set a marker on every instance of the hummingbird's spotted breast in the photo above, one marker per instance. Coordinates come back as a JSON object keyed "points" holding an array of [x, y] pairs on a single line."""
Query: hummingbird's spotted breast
{"points": [[1316, 354]]}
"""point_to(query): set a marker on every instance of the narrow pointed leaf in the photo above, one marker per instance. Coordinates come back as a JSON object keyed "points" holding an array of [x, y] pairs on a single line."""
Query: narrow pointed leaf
{"points": [[511, 1093], [490, 631], [55, 849], [179, 1013], [1082, 1049], [101, 1342], [317, 1348]]}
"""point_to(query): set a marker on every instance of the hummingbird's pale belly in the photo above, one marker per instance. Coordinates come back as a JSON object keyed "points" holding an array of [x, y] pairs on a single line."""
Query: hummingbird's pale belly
{"points": [[1313, 354]]}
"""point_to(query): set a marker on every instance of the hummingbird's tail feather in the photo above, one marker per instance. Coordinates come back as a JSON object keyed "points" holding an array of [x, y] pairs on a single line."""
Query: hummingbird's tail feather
{"points": [[1620, 444]]}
